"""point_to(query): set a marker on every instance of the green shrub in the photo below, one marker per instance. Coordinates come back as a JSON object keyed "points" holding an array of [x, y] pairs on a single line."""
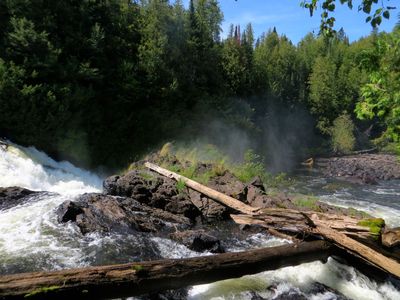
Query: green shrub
{"points": [[252, 166], [342, 133], [305, 201], [180, 186]]}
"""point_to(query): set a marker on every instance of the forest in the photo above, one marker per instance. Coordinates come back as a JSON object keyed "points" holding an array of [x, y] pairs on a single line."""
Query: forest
{"points": [[102, 82]]}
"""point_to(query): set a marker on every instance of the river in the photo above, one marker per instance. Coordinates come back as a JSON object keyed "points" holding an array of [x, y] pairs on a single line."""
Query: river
{"points": [[31, 239]]}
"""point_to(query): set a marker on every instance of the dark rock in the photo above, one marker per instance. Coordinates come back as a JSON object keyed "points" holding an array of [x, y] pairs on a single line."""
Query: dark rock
{"points": [[291, 294], [68, 211], [255, 296], [167, 295], [318, 289], [158, 192], [363, 168], [198, 240], [229, 185], [13, 196], [105, 213], [252, 228], [254, 192], [132, 184], [257, 182], [179, 204], [209, 209], [226, 184]]}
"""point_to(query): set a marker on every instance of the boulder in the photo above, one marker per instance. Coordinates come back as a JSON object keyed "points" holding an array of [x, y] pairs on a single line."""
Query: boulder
{"points": [[229, 185], [209, 209], [13, 196], [198, 240], [106, 213], [154, 191]]}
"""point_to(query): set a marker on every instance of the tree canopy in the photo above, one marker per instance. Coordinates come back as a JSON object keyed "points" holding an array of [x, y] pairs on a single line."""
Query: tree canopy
{"points": [[100, 82]]}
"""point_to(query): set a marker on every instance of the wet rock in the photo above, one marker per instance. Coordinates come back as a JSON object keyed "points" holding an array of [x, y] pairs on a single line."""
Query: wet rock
{"points": [[154, 191], [68, 211], [226, 184], [209, 209], [198, 240], [178, 294], [132, 184], [287, 293], [256, 296], [364, 168], [13, 196], [322, 291], [105, 213], [229, 185]]}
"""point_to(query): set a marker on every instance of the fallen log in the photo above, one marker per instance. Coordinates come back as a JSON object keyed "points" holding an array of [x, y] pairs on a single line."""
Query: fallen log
{"points": [[307, 223], [319, 224], [209, 192], [139, 278]]}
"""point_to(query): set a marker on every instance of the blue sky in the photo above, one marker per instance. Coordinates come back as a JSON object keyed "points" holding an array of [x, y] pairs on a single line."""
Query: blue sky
{"points": [[294, 21]]}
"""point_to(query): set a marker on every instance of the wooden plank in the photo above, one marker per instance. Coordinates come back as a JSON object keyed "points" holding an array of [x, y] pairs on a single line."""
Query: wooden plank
{"points": [[209, 192], [139, 278]]}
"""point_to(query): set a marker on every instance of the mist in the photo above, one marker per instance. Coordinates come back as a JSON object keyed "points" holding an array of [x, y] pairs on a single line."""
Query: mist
{"points": [[282, 135]]}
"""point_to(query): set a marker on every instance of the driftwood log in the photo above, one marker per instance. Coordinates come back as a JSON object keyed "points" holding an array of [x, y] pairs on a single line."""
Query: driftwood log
{"points": [[331, 227], [205, 190], [341, 230], [152, 276], [213, 194]]}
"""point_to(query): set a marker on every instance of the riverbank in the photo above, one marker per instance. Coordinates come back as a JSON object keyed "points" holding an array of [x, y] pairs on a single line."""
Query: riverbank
{"points": [[362, 168], [113, 245]]}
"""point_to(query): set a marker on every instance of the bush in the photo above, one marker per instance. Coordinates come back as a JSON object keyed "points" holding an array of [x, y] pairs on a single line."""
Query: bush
{"points": [[342, 133]]}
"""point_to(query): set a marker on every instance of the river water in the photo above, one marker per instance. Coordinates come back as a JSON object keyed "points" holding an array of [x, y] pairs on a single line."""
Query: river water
{"points": [[31, 239]]}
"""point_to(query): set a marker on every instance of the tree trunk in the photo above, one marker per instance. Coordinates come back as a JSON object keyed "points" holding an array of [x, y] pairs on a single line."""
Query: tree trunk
{"points": [[152, 276], [211, 193]]}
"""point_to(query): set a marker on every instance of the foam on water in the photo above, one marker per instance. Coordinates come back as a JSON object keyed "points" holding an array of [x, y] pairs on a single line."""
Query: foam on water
{"points": [[34, 170], [390, 215], [30, 236], [32, 239], [299, 281]]}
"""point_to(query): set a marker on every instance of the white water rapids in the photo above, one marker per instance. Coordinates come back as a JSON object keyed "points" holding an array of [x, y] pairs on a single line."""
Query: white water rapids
{"points": [[32, 239]]}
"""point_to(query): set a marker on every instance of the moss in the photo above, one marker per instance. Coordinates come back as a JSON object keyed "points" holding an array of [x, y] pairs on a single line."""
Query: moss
{"points": [[375, 225], [147, 175], [137, 267], [357, 213], [42, 290]]}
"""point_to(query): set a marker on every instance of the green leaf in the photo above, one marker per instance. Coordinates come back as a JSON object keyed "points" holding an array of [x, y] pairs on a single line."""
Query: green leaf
{"points": [[386, 14], [366, 8]]}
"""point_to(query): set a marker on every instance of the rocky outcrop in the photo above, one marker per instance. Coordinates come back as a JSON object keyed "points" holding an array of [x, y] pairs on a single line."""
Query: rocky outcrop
{"points": [[13, 196], [155, 191], [363, 169], [105, 213]]}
